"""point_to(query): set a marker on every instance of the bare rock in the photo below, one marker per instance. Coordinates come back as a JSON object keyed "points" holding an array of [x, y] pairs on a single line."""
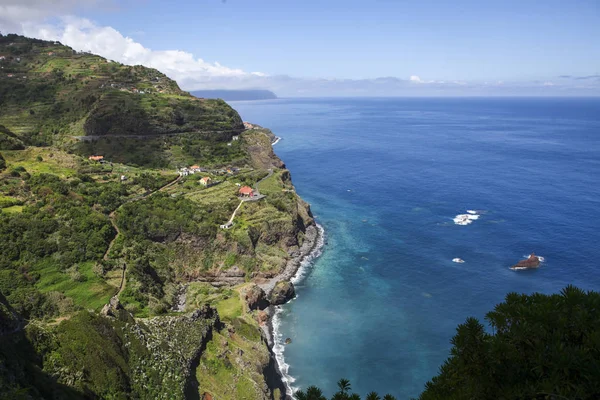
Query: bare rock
{"points": [[282, 293], [255, 297]]}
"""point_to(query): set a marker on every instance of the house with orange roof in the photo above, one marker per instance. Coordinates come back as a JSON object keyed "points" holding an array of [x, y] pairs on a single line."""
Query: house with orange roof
{"points": [[96, 158], [246, 191], [206, 180]]}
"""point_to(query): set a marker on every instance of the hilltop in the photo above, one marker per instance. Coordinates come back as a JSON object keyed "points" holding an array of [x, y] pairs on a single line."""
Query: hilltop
{"points": [[51, 94]]}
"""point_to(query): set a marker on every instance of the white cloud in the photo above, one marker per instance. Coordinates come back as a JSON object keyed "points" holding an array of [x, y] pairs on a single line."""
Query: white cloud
{"points": [[46, 19], [85, 35]]}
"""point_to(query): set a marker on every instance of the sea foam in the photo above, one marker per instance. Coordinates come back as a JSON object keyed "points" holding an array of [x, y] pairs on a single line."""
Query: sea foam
{"points": [[466, 219], [278, 339]]}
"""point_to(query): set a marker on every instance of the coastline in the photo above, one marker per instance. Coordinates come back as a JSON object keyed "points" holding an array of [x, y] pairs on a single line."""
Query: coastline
{"points": [[295, 270]]}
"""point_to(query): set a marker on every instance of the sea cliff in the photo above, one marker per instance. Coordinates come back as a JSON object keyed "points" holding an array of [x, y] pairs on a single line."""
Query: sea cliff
{"points": [[128, 246]]}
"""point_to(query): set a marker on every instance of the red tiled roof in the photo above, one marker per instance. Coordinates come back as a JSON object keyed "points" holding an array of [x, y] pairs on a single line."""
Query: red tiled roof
{"points": [[96, 158], [246, 190]]}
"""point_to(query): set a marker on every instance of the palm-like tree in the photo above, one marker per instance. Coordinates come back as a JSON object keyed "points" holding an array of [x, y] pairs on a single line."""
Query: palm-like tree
{"points": [[389, 397], [373, 396], [344, 385], [312, 393]]}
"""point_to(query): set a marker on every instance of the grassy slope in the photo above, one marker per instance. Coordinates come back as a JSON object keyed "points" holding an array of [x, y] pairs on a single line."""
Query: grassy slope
{"points": [[53, 97], [49, 93]]}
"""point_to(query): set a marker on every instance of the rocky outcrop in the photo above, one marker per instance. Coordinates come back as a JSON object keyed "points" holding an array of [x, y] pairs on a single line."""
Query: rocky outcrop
{"points": [[255, 297], [257, 143], [113, 308], [532, 261], [282, 293]]}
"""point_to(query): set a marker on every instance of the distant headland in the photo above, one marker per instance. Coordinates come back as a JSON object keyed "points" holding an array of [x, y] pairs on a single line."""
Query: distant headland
{"points": [[233, 95]]}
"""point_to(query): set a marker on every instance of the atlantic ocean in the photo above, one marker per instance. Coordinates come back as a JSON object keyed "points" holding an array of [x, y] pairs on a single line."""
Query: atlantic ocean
{"points": [[385, 178]]}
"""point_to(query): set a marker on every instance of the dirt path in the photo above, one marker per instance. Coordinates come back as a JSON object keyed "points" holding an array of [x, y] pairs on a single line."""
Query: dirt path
{"points": [[111, 217], [257, 196]]}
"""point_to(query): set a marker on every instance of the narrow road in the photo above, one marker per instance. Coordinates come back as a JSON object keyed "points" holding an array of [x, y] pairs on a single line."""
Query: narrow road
{"points": [[257, 196], [266, 177], [111, 217]]}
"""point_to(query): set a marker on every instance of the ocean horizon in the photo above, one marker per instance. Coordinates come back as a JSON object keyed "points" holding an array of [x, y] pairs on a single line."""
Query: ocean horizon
{"points": [[388, 178]]}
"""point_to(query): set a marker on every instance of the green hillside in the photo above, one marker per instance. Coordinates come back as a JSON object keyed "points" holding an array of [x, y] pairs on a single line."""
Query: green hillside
{"points": [[52, 95]]}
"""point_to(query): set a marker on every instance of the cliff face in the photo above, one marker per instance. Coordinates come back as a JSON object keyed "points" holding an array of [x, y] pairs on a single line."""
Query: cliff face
{"points": [[91, 355], [78, 233]]}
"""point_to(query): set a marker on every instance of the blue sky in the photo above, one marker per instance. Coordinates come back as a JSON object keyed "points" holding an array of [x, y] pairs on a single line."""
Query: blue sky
{"points": [[453, 43], [369, 39]]}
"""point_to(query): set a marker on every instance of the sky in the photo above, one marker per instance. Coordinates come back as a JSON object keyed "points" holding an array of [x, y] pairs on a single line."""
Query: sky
{"points": [[335, 47]]}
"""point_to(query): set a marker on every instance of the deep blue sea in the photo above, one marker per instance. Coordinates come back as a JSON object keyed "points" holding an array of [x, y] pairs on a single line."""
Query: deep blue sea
{"points": [[385, 178]]}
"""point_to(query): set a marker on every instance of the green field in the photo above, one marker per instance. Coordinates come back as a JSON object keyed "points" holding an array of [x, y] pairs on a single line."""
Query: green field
{"points": [[89, 291]]}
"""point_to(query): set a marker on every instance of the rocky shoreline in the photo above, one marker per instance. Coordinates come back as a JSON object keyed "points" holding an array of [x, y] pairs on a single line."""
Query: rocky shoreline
{"points": [[309, 246], [309, 250]]}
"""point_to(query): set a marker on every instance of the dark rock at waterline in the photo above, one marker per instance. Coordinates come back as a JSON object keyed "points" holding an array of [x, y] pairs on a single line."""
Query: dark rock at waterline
{"points": [[288, 341], [255, 297], [282, 293], [532, 262]]}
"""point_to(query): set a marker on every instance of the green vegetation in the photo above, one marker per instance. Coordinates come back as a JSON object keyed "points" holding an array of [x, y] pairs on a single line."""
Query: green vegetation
{"points": [[344, 393], [542, 347], [90, 356], [96, 253], [49, 93]]}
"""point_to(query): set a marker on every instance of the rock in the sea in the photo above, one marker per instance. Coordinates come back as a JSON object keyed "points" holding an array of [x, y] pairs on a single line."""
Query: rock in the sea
{"points": [[282, 293], [288, 341], [532, 262], [255, 297]]}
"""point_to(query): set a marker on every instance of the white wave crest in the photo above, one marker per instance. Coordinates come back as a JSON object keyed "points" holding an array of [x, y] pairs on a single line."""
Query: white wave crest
{"points": [[465, 219], [458, 260], [542, 259], [278, 339]]}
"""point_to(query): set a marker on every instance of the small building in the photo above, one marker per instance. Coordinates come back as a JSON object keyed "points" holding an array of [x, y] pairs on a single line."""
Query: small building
{"points": [[227, 225], [50, 53], [246, 191], [123, 178], [235, 138], [206, 181], [248, 125], [184, 172], [96, 158]]}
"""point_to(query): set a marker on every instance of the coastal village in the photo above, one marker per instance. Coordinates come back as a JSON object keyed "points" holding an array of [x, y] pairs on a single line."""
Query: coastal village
{"points": [[211, 177]]}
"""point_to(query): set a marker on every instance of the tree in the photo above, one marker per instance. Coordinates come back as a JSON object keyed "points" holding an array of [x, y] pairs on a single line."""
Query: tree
{"points": [[344, 386], [372, 396], [544, 347], [312, 393]]}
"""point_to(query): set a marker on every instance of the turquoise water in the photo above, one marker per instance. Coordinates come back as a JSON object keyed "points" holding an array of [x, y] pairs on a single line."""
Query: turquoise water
{"points": [[385, 178]]}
